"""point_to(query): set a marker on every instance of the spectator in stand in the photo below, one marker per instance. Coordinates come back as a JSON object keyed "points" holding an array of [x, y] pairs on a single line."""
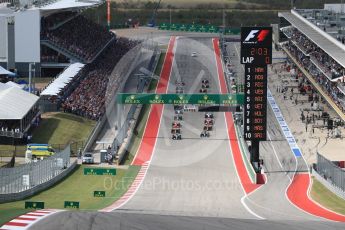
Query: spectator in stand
{"points": [[86, 40], [85, 95], [318, 63]]}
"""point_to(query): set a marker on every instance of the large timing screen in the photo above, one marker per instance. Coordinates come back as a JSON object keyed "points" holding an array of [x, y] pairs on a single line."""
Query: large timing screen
{"points": [[256, 45], [256, 54]]}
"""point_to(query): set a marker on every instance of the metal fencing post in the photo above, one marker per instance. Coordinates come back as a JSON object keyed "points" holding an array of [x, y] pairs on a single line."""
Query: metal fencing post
{"points": [[12, 179], [330, 172]]}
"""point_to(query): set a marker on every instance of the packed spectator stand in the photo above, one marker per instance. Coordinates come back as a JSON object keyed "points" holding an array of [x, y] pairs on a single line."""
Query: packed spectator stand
{"points": [[331, 68], [51, 56], [77, 34], [85, 95], [56, 19], [323, 68]]}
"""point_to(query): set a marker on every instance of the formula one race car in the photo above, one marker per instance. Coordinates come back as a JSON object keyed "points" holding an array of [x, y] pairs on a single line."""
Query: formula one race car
{"points": [[203, 90], [205, 86], [208, 115], [208, 121], [178, 107], [178, 117], [205, 81], [179, 111], [179, 83], [179, 90], [175, 131], [205, 134], [208, 127], [176, 137], [176, 125]]}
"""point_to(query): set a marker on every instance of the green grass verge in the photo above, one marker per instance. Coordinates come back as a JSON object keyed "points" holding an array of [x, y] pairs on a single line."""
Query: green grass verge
{"points": [[77, 187], [325, 197], [135, 141], [159, 67], [57, 129], [7, 150], [63, 128]]}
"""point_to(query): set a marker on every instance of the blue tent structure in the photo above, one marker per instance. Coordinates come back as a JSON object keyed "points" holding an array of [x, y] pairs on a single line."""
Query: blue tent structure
{"points": [[4, 71]]}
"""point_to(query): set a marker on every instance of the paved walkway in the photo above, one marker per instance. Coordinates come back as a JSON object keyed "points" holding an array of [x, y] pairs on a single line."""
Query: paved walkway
{"points": [[310, 142]]}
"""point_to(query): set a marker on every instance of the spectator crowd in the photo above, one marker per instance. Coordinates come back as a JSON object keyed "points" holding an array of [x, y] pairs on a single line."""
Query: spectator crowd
{"points": [[85, 94], [53, 20], [79, 35], [48, 55], [328, 65], [9, 126], [318, 63]]}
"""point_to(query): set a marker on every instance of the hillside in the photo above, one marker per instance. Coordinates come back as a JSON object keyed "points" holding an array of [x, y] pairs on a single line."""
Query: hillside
{"points": [[238, 12]]}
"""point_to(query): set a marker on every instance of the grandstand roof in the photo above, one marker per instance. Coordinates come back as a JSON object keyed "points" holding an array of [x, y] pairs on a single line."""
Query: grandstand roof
{"points": [[15, 103], [62, 80], [327, 43], [66, 4]]}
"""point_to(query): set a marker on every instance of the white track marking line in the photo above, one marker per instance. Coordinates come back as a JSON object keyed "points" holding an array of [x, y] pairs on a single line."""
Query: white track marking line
{"points": [[231, 152], [275, 152], [197, 80], [135, 156], [144, 168], [248, 209]]}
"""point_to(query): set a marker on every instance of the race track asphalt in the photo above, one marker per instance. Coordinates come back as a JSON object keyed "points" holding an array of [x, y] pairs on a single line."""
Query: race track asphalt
{"points": [[192, 183], [194, 176]]}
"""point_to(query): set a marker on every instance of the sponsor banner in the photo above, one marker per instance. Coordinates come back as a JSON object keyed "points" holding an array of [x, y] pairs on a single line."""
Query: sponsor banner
{"points": [[180, 99], [34, 204], [99, 193], [71, 204], [99, 171]]}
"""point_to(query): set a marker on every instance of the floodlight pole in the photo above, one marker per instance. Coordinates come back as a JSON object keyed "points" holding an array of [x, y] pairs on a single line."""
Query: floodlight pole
{"points": [[30, 76], [170, 15], [224, 21], [292, 3], [34, 78], [108, 14]]}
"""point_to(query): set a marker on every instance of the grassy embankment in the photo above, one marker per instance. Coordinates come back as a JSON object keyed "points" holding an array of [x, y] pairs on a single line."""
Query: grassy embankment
{"points": [[79, 187], [57, 129], [326, 198], [238, 12]]}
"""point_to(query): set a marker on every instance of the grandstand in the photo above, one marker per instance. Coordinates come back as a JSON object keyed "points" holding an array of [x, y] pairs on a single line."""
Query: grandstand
{"points": [[45, 25], [61, 42], [85, 96], [315, 41]]}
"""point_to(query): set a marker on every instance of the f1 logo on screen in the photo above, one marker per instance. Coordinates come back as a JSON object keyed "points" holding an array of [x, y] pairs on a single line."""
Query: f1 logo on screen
{"points": [[256, 45], [259, 35]]}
